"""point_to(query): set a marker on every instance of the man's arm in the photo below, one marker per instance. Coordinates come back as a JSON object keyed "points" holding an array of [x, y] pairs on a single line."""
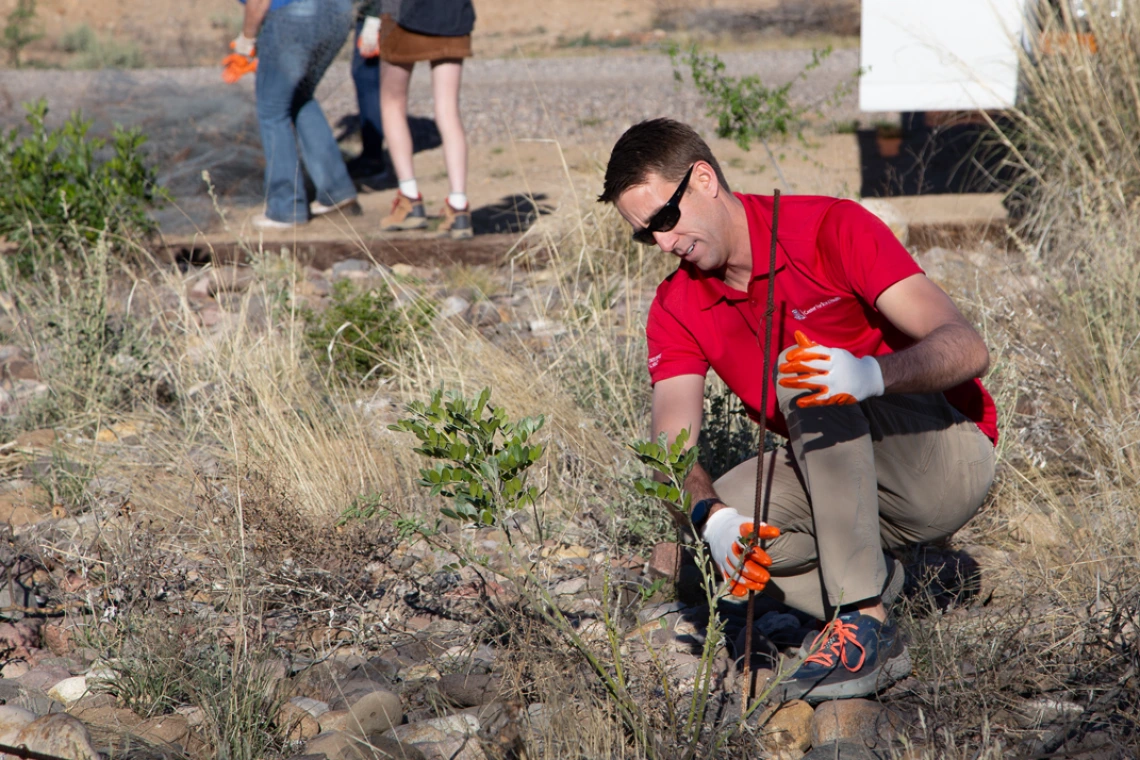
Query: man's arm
{"points": [[679, 404], [948, 350], [255, 12]]}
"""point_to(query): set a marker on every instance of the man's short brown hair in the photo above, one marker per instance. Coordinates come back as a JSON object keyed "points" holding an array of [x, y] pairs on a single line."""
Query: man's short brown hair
{"points": [[663, 147]]}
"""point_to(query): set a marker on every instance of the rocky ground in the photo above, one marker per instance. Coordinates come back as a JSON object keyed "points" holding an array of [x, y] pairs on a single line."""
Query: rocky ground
{"points": [[377, 639]]}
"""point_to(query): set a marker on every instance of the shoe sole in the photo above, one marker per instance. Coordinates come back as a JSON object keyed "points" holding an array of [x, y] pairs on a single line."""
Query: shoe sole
{"points": [[352, 208], [894, 669], [460, 234], [419, 224]]}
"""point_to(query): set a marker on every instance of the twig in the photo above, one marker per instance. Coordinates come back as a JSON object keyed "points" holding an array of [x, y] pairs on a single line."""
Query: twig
{"points": [[760, 507]]}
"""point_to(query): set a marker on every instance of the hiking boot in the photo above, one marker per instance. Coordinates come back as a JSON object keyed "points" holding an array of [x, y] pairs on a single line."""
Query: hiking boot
{"points": [[456, 222], [348, 207], [853, 656], [892, 590], [407, 214]]}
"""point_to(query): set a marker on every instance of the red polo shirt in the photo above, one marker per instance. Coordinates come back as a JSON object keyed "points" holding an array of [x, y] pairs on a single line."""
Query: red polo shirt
{"points": [[833, 260]]}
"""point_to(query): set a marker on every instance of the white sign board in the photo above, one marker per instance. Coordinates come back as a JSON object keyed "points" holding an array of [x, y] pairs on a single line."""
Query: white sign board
{"points": [[937, 55]]}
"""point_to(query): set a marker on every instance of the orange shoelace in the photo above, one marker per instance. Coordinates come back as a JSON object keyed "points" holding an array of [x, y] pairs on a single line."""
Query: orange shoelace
{"points": [[836, 635]]}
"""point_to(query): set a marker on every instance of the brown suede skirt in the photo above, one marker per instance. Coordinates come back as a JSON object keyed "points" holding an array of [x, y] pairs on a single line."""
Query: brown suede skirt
{"points": [[398, 45]]}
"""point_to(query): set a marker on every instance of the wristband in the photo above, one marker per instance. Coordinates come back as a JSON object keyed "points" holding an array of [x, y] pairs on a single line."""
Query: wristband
{"points": [[700, 512]]}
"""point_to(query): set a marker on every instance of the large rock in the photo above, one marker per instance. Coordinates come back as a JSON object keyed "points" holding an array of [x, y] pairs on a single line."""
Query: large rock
{"points": [[844, 751], [12, 721], [322, 681], [60, 735], [297, 723], [860, 721]]}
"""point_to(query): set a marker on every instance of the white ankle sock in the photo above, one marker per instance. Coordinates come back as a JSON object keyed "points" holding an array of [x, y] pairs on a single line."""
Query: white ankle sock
{"points": [[410, 189], [457, 201]]}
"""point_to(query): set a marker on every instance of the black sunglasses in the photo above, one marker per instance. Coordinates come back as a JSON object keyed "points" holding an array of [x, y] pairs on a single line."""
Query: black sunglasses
{"points": [[666, 217]]}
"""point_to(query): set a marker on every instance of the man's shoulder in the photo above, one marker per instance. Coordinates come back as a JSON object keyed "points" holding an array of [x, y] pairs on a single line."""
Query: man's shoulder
{"points": [[800, 215]]}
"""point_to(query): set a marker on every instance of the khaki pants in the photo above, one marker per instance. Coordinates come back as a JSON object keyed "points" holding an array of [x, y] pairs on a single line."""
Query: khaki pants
{"points": [[853, 480]]}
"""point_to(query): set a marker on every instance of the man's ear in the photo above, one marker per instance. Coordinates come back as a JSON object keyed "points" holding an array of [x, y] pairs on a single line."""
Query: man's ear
{"points": [[706, 178]]}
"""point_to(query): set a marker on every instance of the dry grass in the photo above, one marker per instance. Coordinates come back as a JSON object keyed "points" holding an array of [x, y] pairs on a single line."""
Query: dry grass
{"points": [[246, 449]]}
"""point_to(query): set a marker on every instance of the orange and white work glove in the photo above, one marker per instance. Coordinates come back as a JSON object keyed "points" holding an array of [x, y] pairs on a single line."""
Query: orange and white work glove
{"points": [[833, 374], [742, 563], [368, 41], [240, 62]]}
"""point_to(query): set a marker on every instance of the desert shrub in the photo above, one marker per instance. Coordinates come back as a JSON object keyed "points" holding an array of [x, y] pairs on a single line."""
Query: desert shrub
{"points": [[99, 360], [363, 334], [62, 189], [93, 53], [20, 31], [482, 457]]}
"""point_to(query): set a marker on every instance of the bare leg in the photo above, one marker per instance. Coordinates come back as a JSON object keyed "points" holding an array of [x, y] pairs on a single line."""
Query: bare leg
{"points": [[394, 78], [445, 79]]}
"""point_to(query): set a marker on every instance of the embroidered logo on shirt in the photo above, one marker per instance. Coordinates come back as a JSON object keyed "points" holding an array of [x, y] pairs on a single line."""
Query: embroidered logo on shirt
{"points": [[802, 315], [654, 361]]}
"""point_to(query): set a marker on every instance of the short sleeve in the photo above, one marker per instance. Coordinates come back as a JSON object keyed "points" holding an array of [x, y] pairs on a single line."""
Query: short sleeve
{"points": [[673, 350], [860, 252]]}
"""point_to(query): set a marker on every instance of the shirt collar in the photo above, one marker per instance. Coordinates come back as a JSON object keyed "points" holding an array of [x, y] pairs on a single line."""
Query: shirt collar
{"points": [[713, 289]]}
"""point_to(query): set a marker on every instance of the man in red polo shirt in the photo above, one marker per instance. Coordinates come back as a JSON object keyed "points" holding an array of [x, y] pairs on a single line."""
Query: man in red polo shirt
{"points": [[890, 434]]}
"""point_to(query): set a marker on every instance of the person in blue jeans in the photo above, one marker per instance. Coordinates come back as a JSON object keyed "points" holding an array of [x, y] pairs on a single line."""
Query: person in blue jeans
{"points": [[369, 167], [295, 41]]}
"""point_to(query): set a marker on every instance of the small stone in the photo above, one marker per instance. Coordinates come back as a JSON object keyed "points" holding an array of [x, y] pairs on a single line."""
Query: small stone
{"points": [[60, 735], [335, 720], [483, 314], [12, 721], [666, 560], [165, 729], [375, 712], [568, 587], [313, 707], [36, 439], [315, 288], [841, 751], [453, 306], [469, 690], [452, 749], [21, 369], [788, 728], [861, 721], [45, 676], [69, 689], [342, 268], [437, 729], [297, 722], [424, 670], [14, 693]]}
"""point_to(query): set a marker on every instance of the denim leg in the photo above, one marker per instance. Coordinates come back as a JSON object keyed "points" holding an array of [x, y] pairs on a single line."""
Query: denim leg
{"points": [[297, 43], [366, 78], [277, 76]]}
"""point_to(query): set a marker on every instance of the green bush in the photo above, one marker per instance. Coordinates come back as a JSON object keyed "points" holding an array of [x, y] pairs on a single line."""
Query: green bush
{"points": [[482, 457], [62, 189], [20, 31], [364, 334]]}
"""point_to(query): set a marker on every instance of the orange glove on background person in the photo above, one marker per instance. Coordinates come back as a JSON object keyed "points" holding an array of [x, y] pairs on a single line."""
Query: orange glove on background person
{"points": [[729, 536], [834, 374], [240, 62], [368, 42]]}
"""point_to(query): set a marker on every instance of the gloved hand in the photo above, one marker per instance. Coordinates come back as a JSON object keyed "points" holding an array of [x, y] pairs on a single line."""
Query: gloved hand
{"points": [[368, 41], [240, 62], [743, 564], [834, 374]]}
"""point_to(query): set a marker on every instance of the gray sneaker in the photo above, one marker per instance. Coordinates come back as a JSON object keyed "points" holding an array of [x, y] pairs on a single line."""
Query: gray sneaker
{"points": [[853, 656]]}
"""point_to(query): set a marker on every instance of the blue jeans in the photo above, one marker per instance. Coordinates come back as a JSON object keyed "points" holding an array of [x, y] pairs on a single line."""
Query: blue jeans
{"points": [[296, 44], [366, 78]]}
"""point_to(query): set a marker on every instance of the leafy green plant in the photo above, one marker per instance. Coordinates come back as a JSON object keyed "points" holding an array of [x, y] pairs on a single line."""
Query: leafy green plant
{"points": [[20, 31], [62, 190], [365, 334], [672, 462], [745, 108], [482, 457]]}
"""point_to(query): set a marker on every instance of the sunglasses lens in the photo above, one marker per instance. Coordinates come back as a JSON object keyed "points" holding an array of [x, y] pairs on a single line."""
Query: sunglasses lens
{"points": [[666, 219], [644, 236]]}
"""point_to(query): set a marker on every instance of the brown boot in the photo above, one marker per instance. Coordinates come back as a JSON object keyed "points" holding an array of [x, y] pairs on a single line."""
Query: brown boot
{"points": [[407, 214], [456, 223]]}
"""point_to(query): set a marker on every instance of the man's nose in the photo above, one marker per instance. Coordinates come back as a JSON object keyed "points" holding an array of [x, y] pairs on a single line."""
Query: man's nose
{"points": [[666, 241]]}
